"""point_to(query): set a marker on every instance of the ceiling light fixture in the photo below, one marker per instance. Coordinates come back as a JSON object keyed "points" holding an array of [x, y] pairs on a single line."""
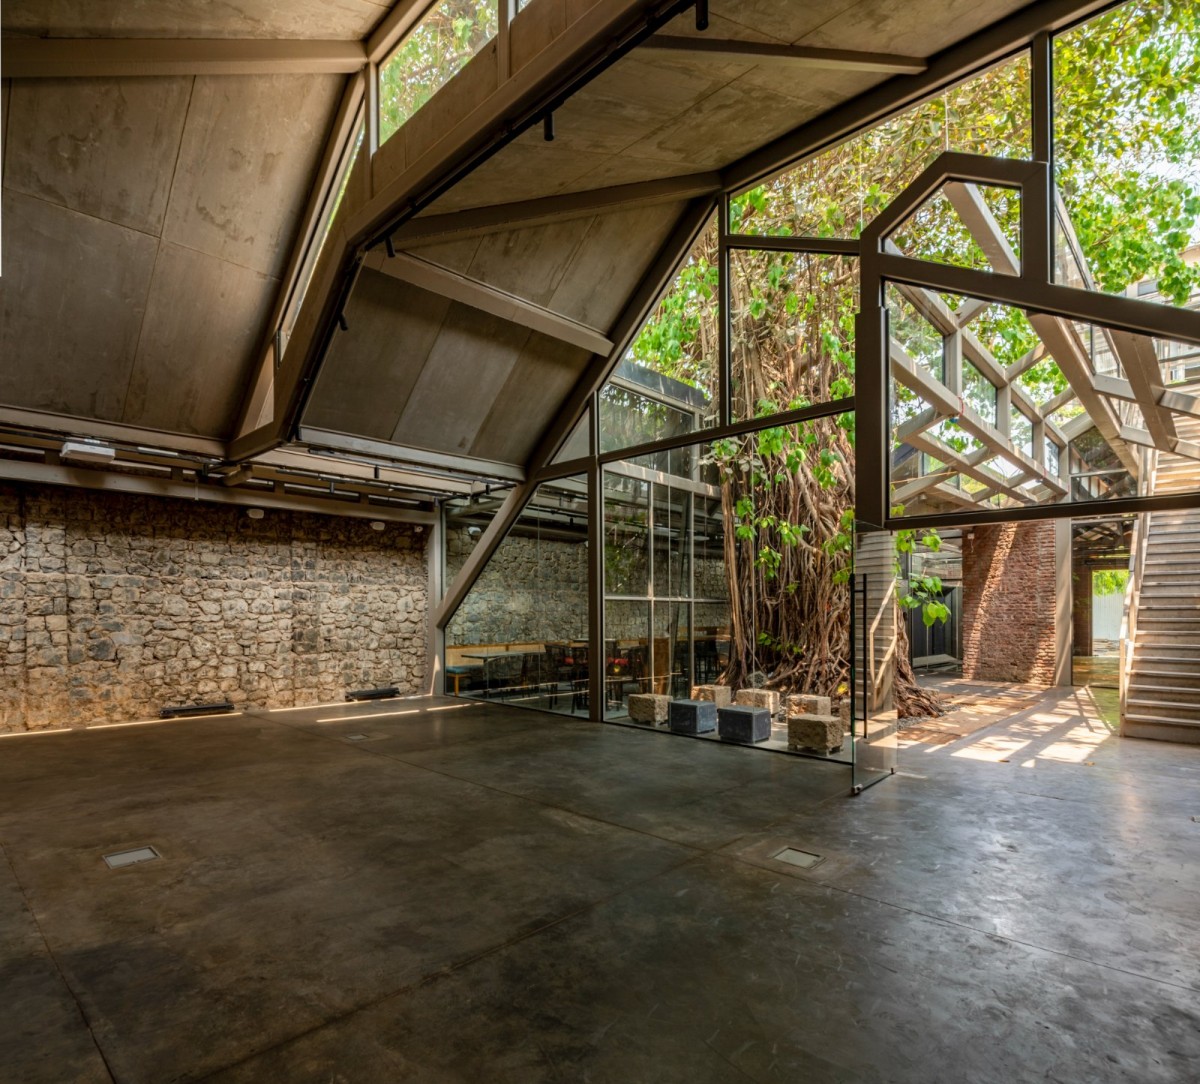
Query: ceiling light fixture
{"points": [[82, 451]]}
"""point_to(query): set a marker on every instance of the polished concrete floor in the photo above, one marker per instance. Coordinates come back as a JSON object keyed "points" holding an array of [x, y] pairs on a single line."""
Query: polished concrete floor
{"points": [[439, 891]]}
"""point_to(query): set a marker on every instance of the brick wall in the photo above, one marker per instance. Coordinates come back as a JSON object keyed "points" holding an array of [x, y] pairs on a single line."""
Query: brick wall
{"points": [[1009, 593], [112, 606]]}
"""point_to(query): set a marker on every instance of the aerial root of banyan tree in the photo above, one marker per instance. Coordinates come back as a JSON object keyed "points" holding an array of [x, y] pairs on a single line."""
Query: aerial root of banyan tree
{"points": [[792, 623]]}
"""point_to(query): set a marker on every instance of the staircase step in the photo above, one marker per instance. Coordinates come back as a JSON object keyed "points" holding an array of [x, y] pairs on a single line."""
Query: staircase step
{"points": [[1164, 709], [1154, 691], [1137, 726]]}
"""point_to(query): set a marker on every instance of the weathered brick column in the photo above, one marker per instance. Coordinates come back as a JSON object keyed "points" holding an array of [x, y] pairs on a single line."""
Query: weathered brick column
{"points": [[1014, 620]]}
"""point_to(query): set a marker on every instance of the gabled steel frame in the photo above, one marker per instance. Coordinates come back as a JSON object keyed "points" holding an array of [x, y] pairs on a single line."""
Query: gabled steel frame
{"points": [[1029, 30]]}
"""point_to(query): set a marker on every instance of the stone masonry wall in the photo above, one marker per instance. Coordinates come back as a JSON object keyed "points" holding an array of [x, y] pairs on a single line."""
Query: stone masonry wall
{"points": [[1009, 592], [112, 606], [531, 590]]}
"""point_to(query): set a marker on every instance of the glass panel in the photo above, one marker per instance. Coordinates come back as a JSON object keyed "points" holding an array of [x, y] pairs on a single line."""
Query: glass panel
{"points": [[449, 35], [949, 455], [671, 657], [672, 542], [980, 393], [520, 635], [626, 653], [777, 505], [579, 443], [466, 518], [937, 232], [626, 536], [667, 384], [837, 192], [1127, 150], [792, 318]]}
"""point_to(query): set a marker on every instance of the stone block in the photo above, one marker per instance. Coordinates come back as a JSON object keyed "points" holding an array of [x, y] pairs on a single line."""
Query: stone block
{"points": [[649, 708], [693, 716], [803, 704], [844, 715], [819, 733], [721, 695], [744, 723], [758, 698]]}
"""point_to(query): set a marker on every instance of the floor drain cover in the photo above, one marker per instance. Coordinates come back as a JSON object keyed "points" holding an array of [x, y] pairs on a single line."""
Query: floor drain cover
{"points": [[794, 857], [131, 858]]}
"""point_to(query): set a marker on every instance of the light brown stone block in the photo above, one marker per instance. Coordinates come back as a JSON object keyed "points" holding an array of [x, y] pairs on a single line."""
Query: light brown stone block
{"points": [[721, 695], [649, 708], [821, 733], [803, 704], [758, 698]]}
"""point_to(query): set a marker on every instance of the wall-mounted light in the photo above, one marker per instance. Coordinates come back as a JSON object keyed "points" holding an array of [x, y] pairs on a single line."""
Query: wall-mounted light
{"points": [[255, 513], [86, 451], [377, 525]]}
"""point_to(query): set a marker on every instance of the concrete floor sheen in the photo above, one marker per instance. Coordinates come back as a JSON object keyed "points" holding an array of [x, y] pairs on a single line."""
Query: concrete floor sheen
{"points": [[440, 891]]}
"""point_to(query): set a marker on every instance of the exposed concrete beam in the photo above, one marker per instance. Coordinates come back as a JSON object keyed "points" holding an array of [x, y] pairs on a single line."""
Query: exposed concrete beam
{"points": [[59, 58], [1140, 361], [399, 453], [57, 475], [802, 56], [1060, 400], [1180, 402], [921, 383], [488, 299], [64, 425], [524, 214]]}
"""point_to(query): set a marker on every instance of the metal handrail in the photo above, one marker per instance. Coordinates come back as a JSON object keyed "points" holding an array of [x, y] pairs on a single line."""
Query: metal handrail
{"points": [[1137, 571]]}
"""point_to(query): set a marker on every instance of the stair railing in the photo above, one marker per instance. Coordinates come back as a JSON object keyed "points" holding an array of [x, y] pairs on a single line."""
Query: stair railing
{"points": [[1137, 571]]}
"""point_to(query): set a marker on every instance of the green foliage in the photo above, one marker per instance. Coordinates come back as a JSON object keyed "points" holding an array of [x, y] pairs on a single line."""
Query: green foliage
{"points": [[1109, 581], [446, 39]]}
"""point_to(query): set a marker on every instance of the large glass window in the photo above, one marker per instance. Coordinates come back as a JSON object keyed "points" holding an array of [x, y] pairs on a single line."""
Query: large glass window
{"points": [[1127, 150], [792, 318], [520, 635], [449, 35], [668, 383], [836, 193]]}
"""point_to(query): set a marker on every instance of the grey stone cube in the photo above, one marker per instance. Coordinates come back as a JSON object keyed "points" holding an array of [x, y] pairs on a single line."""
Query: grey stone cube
{"points": [[721, 695], [744, 723], [649, 708], [693, 716], [820, 733]]}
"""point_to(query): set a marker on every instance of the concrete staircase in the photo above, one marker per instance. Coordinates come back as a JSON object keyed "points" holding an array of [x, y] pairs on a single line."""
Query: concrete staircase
{"points": [[1162, 691]]}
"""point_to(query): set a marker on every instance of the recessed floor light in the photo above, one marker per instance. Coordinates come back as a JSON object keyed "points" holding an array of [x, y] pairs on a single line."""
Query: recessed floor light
{"points": [[131, 858], [794, 857], [356, 737]]}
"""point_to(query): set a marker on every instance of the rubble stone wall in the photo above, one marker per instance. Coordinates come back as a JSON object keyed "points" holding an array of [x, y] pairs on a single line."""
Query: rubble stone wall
{"points": [[112, 606]]}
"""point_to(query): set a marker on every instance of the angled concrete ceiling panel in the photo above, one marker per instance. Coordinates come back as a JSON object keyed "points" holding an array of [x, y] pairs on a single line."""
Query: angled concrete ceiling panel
{"points": [[759, 20], [916, 28], [74, 293], [720, 129], [203, 326], [373, 365], [611, 260], [246, 162], [194, 18], [528, 263], [536, 388], [465, 370], [106, 147]]}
